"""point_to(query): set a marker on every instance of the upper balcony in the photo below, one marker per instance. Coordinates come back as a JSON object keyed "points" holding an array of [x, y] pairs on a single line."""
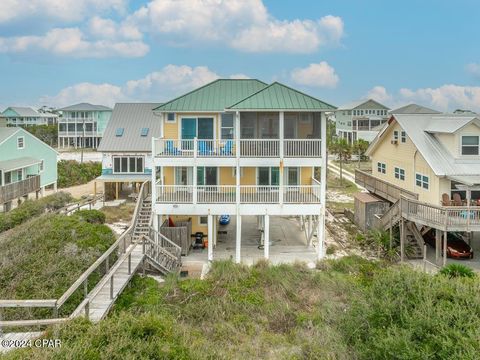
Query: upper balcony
{"points": [[221, 150]]}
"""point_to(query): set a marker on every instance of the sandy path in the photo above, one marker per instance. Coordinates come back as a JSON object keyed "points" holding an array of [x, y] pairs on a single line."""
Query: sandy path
{"points": [[79, 190]]}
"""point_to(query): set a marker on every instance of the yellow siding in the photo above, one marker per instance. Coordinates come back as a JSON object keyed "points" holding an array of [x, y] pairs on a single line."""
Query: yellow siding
{"points": [[306, 175], [169, 175], [432, 194]]}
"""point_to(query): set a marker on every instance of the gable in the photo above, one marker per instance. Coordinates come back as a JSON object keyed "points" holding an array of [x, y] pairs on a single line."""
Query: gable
{"points": [[280, 97], [370, 105], [10, 112]]}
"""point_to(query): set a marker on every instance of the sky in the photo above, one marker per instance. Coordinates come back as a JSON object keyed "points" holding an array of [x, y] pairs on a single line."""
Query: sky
{"points": [[61, 52]]}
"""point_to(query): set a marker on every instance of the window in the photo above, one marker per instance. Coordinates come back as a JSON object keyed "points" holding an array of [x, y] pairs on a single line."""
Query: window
{"points": [[399, 173], [119, 132], [421, 181], [171, 117], [382, 168], [227, 126], [470, 145], [40, 166], [144, 132], [395, 135], [403, 137], [203, 220], [128, 164], [20, 142]]}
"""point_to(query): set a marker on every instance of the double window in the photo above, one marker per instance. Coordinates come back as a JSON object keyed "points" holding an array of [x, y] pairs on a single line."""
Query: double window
{"points": [[395, 135], [403, 137], [20, 142], [381, 168], [128, 164], [399, 173], [470, 145], [422, 181]]}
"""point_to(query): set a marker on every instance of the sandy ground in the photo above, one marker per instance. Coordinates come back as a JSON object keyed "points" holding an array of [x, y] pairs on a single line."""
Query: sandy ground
{"points": [[76, 155], [79, 190]]}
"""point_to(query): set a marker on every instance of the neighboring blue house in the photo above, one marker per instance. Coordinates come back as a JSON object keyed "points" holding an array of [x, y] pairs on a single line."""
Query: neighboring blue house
{"points": [[26, 116], [27, 165], [126, 147]]}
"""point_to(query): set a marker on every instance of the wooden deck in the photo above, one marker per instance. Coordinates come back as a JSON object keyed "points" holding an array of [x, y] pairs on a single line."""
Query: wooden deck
{"points": [[103, 296], [18, 189], [382, 188]]}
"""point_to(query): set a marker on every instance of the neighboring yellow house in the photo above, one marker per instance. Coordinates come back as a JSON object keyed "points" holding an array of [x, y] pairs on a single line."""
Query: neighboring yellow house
{"points": [[428, 167], [429, 155], [240, 147]]}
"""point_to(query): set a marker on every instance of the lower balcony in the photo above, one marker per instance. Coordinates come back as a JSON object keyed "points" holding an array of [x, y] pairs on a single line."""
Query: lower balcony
{"points": [[248, 194], [18, 189]]}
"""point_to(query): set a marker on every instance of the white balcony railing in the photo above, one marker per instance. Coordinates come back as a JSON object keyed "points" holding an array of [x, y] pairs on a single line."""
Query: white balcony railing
{"points": [[249, 194], [258, 148]]}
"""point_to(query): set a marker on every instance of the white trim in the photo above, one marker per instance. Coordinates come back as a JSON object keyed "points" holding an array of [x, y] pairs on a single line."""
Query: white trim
{"points": [[422, 181], [174, 117], [461, 145], [399, 173], [128, 164], [199, 220]]}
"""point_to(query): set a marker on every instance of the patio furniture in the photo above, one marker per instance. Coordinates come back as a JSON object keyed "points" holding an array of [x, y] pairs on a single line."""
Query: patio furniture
{"points": [[457, 200], [446, 201], [203, 148], [170, 149], [227, 148]]}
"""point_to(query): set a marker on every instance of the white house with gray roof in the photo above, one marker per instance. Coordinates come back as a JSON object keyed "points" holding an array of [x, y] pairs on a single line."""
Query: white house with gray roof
{"points": [[82, 125], [126, 146], [360, 120], [26, 116]]}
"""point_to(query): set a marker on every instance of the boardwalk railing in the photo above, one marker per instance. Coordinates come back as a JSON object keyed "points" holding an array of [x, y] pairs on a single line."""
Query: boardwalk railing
{"points": [[382, 188], [20, 188], [249, 194], [119, 247], [446, 218], [189, 148]]}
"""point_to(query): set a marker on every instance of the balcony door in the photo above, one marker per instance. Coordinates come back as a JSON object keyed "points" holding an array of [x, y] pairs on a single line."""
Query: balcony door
{"points": [[268, 176], [201, 128], [207, 176], [292, 176]]}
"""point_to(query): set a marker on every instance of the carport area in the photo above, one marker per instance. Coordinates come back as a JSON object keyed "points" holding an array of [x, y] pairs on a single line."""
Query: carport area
{"points": [[431, 257], [287, 242]]}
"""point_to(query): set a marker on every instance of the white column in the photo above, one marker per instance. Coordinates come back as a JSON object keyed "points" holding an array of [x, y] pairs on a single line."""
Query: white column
{"points": [[237, 153], [156, 221], [438, 244], [238, 237], [266, 235], [42, 191], [55, 186], [154, 177], [320, 238], [281, 134], [210, 237], [215, 223], [445, 236], [323, 183], [195, 150]]}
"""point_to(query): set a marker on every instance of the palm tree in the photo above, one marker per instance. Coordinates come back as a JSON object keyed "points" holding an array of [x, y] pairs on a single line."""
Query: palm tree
{"points": [[342, 149], [360, 148]]}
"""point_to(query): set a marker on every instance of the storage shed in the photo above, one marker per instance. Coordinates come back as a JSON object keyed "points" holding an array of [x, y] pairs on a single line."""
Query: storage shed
{"points": [[180, 234], [366, 207]]}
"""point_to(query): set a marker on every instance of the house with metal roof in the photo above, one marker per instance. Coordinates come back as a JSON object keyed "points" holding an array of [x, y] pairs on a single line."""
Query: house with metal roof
{"points": [[243, 148], [26, 116], [82, 125], [414, 109], [27, 165], [126, 147], [427, 166], [360, 120]]}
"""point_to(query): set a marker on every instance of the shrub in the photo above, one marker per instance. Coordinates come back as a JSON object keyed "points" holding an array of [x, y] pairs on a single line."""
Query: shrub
{"points": [[43, 257], [91, 216], [71, 172], [32, 208], [457, 270]]}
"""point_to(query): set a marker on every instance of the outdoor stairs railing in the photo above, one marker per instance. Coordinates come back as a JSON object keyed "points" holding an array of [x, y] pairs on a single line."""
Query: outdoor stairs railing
{"points": [[162, 253], [391, 217], [137, 245]]}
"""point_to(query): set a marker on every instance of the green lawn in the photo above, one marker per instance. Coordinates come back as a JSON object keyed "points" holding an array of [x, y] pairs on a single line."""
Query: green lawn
{"points": [[348, 309]]}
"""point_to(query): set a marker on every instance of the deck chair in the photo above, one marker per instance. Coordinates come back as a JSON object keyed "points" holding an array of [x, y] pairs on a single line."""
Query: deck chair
{"points": [[227, 148], [457, 200], [170, 149], [446, 200], [203, 148]]}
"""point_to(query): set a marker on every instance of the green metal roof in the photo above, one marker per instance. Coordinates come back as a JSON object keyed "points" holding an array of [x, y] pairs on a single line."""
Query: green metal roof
{"points": [[280, 97], [215, 96]]}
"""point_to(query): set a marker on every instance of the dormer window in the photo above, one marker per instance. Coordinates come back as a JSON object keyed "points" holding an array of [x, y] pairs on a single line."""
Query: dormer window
{"points": [[470, 145]]}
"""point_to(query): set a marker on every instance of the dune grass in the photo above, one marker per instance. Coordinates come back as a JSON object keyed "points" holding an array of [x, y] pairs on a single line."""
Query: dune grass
{"points": [[346, 309]]}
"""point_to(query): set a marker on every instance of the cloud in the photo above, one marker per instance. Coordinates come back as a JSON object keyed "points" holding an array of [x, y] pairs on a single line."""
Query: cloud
{"points": [[446, 97], [316, 75], [161, 85], [62, 10], [73, 42], [380, 94], [474, 70], [244, 25], [109, 29]]}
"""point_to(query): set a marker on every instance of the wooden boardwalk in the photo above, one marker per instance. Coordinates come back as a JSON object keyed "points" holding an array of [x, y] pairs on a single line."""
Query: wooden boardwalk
{"points": [[17, 339], [103, 296]]}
